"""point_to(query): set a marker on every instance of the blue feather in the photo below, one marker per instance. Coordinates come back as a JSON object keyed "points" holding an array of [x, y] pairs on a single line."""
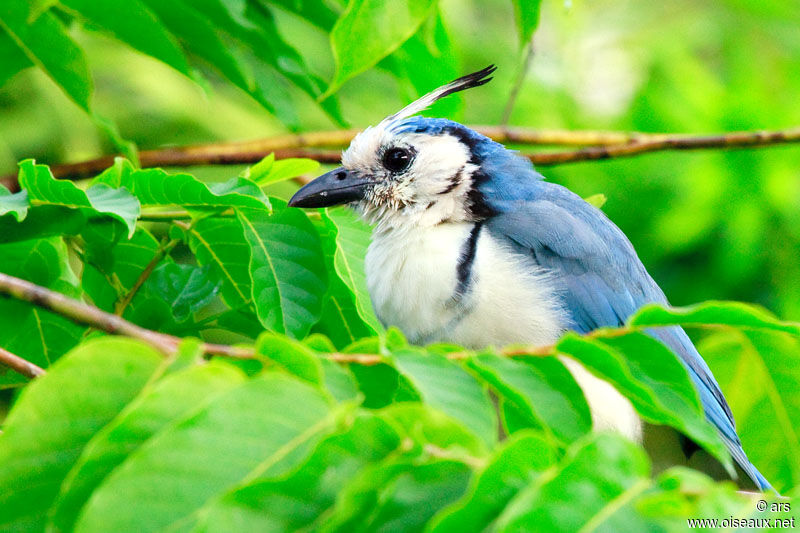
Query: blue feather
{"points": [[595, 268]]}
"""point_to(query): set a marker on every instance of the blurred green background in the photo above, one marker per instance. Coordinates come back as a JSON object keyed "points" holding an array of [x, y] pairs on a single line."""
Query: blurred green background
{"points": [[708, 224]]}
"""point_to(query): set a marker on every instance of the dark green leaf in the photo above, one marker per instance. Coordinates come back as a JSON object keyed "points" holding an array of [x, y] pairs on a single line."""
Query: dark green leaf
{"points": [[14, 59], [428, 60], [41, 221], [46, 43], [287, 269], [317, 12], [133, 23], [113, 266], [220, 243], [184, 288], [199, 36], [57, 415], [31, 332]]}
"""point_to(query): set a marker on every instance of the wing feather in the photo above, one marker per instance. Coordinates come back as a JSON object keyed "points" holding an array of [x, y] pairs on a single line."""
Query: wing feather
{"points": [[602, 282]]}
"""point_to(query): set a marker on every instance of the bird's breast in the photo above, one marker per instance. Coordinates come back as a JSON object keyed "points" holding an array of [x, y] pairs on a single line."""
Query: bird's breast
{"points": [[456, 283], [418, 282]]}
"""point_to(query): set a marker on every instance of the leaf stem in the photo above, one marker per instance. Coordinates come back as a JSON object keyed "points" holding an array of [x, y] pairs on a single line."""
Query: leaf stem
{"points": [[163, 249]]}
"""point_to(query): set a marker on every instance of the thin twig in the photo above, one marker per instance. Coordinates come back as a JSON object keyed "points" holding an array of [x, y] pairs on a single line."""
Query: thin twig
{"points": [[523, 71], [20, 365], [598, 145], [163, 249]]}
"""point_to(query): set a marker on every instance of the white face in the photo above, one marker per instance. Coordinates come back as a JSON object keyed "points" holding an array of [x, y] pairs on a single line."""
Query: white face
{"points": [[421, 179]]}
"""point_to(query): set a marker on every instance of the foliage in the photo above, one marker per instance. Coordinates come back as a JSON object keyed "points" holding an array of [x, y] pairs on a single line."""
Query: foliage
{"points": [[293, 439], [118, 436]]}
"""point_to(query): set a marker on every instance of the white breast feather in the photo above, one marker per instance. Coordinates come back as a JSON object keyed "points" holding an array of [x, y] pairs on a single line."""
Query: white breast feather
{"points": [[411, 276]]}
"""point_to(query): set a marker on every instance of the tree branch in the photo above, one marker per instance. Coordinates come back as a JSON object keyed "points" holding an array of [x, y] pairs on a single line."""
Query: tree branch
{"points": [[598, 145], [18, 364], [88, 315]]}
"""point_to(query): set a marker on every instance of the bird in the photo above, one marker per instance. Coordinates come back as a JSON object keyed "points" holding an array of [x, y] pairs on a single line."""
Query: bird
{"points": [[471, 245]]}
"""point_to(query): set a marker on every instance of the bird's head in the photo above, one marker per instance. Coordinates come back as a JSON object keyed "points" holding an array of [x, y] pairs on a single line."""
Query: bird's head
{"points": [[414, 170]]}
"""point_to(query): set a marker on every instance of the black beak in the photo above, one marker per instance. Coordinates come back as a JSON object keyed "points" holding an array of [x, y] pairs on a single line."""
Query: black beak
{"points": [[332, 188]]}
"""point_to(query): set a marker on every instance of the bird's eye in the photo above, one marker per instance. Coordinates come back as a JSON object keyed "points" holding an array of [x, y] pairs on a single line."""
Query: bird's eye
{"points": [[397, 159]]}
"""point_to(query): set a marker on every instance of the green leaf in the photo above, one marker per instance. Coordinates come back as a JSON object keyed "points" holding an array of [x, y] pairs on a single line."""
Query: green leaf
{"points": [[16, 204], [378, 383], [352, 240], [302, 500], [275, 61], [220, 243], [14, 59], [370, 30], [651, 377], [757, 369], [157, 187], [446, 386], [31, 332], [542, 390], [428, 60], [184, 288], [293, 356], [40, 222], [160, 403], [423, 425], [200, 37], [111, 266], [133, 23], [398, 495], [37, 7], [735, 314], [591, 489], [43, 188], [46, 43], [57, 415], [341, 318], [242, 433], [598, 200], [339, 381], [281, 170], [526, 15], [317, 12], [519, 461], [287, 269]]}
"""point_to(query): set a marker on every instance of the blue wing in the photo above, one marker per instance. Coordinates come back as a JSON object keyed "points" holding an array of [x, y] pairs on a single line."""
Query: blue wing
{"points": [[600, 277]]}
